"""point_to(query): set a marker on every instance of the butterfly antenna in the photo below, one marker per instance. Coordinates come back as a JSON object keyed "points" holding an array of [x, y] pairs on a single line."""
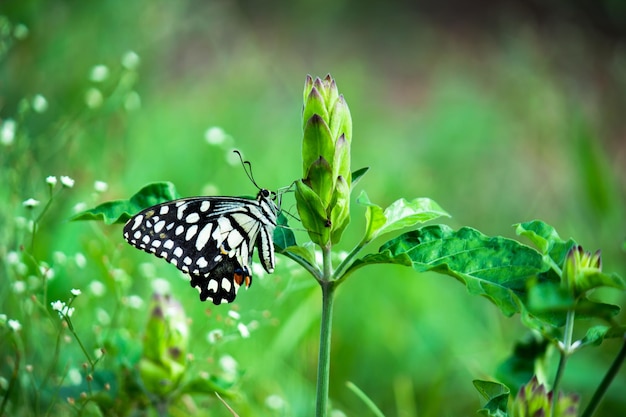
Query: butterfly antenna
{"points": [[247, 167]]}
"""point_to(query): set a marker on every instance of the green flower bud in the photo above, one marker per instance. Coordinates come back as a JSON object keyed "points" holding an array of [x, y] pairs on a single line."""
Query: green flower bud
{"points": [[164, 357], [580, 270], [327, 126], [533, 400]]}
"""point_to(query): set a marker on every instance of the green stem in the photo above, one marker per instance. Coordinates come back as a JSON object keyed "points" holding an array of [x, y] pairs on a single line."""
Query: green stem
{"points": [[565, 353], [606, 381], [323, 365]]}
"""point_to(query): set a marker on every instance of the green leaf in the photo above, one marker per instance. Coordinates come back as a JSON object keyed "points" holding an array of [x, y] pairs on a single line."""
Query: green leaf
{"points": [[283, 236], [596, 334], [120, 211], [358, 174], [305, 252], [600, 279], [520, 366], [546, 239], [312, 214], [541, 234], [399, 215], [497, 396], [494, 267], [550, 303]]}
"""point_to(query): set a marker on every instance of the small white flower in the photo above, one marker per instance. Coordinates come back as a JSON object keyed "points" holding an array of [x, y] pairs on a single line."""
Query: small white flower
{"points": [[51, 180], [7, 132], [337, 413], [12, 258], [147, 269], [30, 203], [40, 104], [100, 186], [80, 260], [134, 301], [74, 376], [161, 286], [78, 207], [130, 60], [57, 305], [98, 353], [243, 330], [99, 73], [93, 98], [59, 257], [67, 181], [215, 135], [214, 336], [97, 288], [234, 314], [14, 325], [19, 287], [63, 310], [76, 292], [275, 402], [46, 271], [228, 364]]}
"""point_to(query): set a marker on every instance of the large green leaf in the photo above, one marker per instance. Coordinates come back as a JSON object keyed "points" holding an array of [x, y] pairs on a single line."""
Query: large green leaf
{"points": [[120, 211], [399, 215], [494, 267]]}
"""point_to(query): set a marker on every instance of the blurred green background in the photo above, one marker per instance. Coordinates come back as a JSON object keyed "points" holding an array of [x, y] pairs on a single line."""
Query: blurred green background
{"points": [[501, 112]]}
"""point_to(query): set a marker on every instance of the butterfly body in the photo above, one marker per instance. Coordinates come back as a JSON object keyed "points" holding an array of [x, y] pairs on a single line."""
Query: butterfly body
{"points": [[211, 239]]}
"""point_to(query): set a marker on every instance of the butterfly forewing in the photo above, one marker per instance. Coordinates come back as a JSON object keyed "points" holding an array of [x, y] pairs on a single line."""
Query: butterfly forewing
{"points": [[211, 239]]}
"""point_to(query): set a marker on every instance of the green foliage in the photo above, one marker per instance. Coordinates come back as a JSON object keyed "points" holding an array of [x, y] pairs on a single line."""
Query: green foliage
{"points": [[495, 267], [144, 122], [121, 210], [497, 396]]}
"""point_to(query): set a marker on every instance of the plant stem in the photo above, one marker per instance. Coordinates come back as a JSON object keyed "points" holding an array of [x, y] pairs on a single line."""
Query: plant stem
{"points": [[323, 364], [606, 381], [565, 353]]}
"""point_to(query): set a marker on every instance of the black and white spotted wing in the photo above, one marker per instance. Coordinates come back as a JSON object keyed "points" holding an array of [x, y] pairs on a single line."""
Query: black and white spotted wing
{"points": [[211, 239]]}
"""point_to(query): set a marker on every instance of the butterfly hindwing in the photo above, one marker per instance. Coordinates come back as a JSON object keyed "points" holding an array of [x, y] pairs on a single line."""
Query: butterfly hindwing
{"points": [[211, 239]]}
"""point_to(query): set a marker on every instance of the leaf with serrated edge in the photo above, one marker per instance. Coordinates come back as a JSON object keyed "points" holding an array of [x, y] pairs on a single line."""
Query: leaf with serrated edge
{"points": [[120, 211], [495, 267]]}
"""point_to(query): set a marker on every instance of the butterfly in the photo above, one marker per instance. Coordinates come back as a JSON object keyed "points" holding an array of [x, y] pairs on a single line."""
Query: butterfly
{"points": [[211, 239]]}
